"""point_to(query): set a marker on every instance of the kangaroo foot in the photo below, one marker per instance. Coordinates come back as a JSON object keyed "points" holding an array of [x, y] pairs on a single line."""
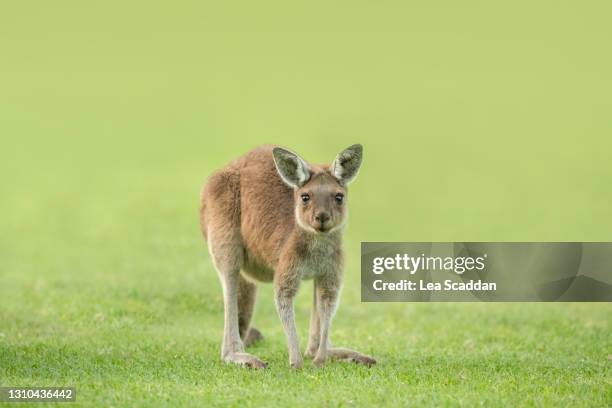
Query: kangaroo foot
{"points": [[245, 359], [350, 355]]}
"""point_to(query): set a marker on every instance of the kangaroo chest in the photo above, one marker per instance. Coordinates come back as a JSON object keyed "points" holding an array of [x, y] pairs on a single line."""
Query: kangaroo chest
{"points": [[320, 257]]}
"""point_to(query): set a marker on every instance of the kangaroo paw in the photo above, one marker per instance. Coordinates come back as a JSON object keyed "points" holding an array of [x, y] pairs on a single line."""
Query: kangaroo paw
{"points": [[245, 359]]}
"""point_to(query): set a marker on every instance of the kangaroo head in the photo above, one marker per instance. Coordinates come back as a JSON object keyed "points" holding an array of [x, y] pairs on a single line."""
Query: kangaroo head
{"points": [[320, 193]]}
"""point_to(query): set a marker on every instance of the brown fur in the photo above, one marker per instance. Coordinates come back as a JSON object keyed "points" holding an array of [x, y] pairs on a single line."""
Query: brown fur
{"points": [[259, 229]]}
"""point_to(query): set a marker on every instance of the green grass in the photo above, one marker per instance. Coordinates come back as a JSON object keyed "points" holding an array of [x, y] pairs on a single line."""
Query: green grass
{"points": [[153, 339], [480, 122], [113, 292]]}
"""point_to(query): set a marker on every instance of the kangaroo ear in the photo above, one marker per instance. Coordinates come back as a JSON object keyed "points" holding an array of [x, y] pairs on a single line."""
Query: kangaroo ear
{"points": [[294, 171], [347, 163]]}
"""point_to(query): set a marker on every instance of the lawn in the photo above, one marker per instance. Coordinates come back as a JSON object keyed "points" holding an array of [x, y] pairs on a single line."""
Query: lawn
{"points": [[112, 291], [113, 114], [152, 338]]}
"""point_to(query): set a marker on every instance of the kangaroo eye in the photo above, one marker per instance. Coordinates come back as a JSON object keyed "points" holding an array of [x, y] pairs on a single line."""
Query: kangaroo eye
{"points": [[305, 198], [339, 198]]}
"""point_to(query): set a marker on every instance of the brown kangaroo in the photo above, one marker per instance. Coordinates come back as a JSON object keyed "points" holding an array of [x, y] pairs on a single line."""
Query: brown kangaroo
{"points": [[269, 216]]}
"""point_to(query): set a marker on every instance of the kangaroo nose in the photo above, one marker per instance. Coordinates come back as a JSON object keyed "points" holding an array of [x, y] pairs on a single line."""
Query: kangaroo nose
{"points": [[322, 217]]}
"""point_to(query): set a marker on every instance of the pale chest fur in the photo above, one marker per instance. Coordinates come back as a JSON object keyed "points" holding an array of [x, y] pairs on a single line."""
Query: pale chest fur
{"points": [[322, 257]]}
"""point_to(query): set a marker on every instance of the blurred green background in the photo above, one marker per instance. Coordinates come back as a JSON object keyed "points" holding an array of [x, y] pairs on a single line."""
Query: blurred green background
{"points": [[480, 121]]}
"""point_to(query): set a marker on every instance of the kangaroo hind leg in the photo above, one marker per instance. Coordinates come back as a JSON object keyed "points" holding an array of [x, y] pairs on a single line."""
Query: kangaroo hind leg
{"points": [[246, 304], [227, 252]]}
